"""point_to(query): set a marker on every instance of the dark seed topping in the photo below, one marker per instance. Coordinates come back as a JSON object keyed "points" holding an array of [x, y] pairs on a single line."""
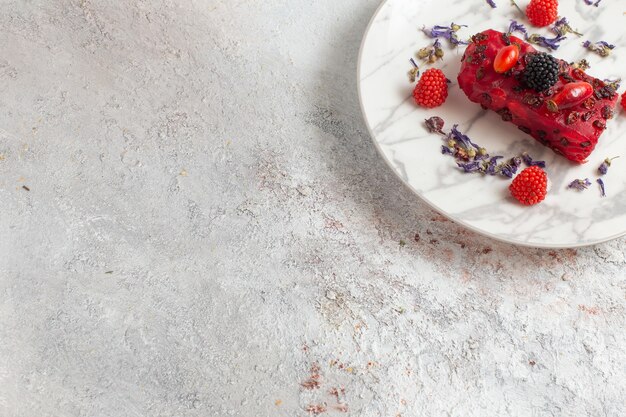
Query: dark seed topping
{"points": [[572, 117], [479, 37], [589, 104], [599, 124], [607, 112], [607, 92], [542, 134], [481, 48], [480, 74], [587, 116], [542, 71], [567, 77], [505, 114], [486, 99], [525, 129], [564, 141], [585, 144], [532, 100]]}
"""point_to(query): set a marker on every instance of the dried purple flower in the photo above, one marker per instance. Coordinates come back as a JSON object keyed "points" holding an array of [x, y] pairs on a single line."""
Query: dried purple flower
{"points": [[561, 27], [516, 27], [592, 3], [507, 169], [446, 150], [435, 125], [462, 139], [470, 166], [545, 42], [492, 3], [601, 48], [604, 167], [491, 166], [529, 161], [602, 189], [449, 33], [432, 53], [580, 185], [414, 72]]}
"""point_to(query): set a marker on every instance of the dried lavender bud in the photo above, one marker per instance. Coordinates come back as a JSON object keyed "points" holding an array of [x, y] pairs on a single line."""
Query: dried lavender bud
{"points": [[529, 161], [435, 124], [461, 139], [492, 3], [601, 48], [516, 27], [580, 185], [470, 166], [492, 165], [561, 27], [552, 44], [431, 53], [602, 189], [414, 72], [604, 167], [592, 3], [449, 33]]}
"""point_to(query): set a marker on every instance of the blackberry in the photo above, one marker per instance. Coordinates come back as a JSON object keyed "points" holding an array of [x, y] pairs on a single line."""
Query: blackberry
{"points": [[542, 71]]}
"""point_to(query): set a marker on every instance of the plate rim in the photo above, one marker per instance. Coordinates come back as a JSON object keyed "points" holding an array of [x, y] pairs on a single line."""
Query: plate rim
{"points": [[424, 199]]}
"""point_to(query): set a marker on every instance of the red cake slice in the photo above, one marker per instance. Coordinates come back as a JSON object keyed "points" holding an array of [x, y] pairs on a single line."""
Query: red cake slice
{"points": [[572, 132]]}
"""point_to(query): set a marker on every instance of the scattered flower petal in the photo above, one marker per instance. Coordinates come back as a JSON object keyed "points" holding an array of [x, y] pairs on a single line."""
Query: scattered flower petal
{"points": [[602, 189], [449, 33], [529, 161], [562, 27], [432, 53], [552, 44], [462, 139], [517, 27], [601, 48], [580, 185], [414, 73], [593, 3], [470, 166], [604, 167]]}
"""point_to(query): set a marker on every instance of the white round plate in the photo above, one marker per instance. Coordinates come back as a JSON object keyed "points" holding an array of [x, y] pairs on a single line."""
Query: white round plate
{"points": [[567, 218]]}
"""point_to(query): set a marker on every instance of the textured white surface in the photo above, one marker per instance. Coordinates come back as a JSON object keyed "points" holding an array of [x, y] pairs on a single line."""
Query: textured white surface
{"points": [[566, 218], [211, 156]]}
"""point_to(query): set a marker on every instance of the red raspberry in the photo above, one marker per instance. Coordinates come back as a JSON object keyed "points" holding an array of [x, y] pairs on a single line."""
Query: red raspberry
{"points": [[542, 12], [624, 101], [432, 89], [530, 186]]}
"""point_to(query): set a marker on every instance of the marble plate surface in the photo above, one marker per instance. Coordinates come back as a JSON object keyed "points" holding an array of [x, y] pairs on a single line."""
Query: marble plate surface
{"points": [[567, 218]]}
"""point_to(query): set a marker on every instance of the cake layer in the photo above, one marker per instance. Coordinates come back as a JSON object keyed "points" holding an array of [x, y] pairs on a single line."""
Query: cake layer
{"points": [[571, 132]]}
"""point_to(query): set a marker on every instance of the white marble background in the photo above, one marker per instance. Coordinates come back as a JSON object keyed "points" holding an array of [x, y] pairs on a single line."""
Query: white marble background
{"points": [[207, 219]]}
